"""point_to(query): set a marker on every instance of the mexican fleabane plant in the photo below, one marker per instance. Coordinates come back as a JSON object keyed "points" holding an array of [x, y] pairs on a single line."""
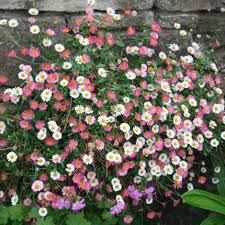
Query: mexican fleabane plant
{"points": [[104, 119]]}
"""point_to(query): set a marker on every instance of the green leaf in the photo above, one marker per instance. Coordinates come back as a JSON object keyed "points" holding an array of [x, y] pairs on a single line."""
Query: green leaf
{"points": [[46, 221], [205, 200], [34, 213], [104, 205], [214, 220], [77, 219], [4, 215], [16, 213], [109, 218], [94, 219], [120, 43]]}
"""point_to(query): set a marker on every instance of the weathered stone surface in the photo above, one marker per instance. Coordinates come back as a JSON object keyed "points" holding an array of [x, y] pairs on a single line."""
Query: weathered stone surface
{"points": [[142, 19], [13, 4], [76, 5], [210, 20], [173, 36], [188, 5], [9, 67], [187, 20]]}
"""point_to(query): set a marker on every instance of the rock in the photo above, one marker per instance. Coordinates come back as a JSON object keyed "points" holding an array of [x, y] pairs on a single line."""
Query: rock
{"points": [[187, 20], [188, 5], [14, 4], [210, 20], [76, 5]]}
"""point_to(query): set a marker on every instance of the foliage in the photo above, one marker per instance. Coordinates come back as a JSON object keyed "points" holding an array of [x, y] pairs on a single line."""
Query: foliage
{"points": [[208, 201], [107, 125]]}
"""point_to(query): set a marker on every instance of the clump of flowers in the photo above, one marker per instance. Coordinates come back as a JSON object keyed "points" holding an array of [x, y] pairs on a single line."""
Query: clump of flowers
{"points": [[101, 119]]}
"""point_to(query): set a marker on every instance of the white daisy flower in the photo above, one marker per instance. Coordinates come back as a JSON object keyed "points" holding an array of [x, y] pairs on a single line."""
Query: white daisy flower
{"points": [[79, 109], [84, 41], [86, 94], [41, 161], [110, 11], [168, 169], [43, 211], [124, 127], [42, 134], [87, 159], [116, 17], [74, 93], [91, 2], [33, 11], [162, 55], [103, 120], [102, 72], [47, 42], [46, 95], [70, 168], [177, 25], [12, 157], [59, 48], [2, 127], [14, 199], [3, 22], [35, 29], [174, 47], [214, 143], [13, 23], [67, 65], [55, 175], [177, 177]]}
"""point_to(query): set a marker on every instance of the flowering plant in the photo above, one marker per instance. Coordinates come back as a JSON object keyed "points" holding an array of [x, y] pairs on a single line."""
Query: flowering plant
{"points": [[103, 120]]}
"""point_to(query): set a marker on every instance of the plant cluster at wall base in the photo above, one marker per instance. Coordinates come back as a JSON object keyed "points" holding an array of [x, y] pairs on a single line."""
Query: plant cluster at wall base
{"points": [[106, 129]]}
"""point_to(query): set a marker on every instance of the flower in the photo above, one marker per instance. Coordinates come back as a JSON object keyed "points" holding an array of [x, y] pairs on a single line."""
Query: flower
{"points": [[46, 95], [67, 65], [124, 127], [33, 11], [103, 128], [37, 186], [174, 47], [214, 143], [42, 211], [177, 25], [12, 157], [2, 127], [34, 52], [87, 159], [116, 17], [91, 2], [59, 48], [3, 22], [74, 93], [77, 206], [35, 29], [102, 72], [14, 199], [47, 42], [55, 175], [13, 23]]}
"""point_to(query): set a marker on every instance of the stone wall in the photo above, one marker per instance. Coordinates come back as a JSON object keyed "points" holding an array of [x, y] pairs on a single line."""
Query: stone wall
{"points": [[199, 15]]}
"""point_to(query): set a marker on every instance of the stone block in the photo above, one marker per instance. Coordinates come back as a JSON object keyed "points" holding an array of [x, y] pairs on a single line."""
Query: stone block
{"points": [[188, 5], [187, 20], [76, 5]]}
